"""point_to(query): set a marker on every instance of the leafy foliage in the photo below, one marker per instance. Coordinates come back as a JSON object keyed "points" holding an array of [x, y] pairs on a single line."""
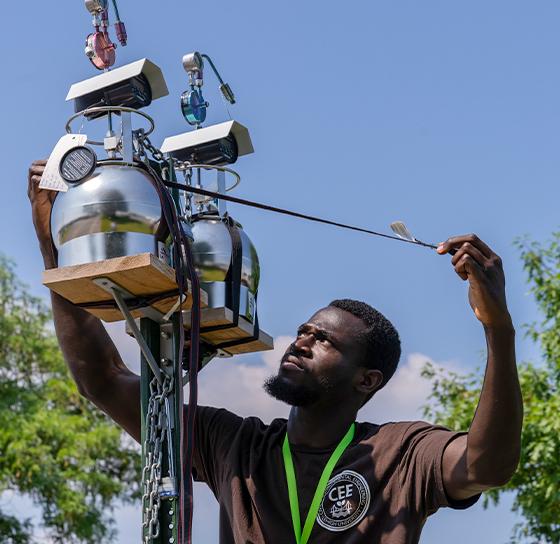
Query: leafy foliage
{"points": [[14, 531], [54, 446], [454, 397]]}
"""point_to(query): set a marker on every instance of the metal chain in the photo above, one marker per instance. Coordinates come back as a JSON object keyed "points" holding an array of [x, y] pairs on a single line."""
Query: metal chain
{"points": [[147, 144], [157, 420]]}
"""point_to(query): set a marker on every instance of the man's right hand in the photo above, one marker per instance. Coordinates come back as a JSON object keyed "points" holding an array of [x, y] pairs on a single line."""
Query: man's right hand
{"points": [[41, 204]]}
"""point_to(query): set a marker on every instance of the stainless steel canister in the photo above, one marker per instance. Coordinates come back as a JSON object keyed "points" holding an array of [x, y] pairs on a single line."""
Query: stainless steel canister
{"points": [[114, 212], [212, 249]]}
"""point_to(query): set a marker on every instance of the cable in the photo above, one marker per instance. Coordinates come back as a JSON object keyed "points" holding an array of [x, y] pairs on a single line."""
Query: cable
{"points": [[267, 207], [117, 16]]}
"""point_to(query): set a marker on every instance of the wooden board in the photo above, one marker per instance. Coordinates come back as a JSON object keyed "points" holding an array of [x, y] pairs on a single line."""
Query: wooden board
{"points": [[224, 316], [141, 275]]}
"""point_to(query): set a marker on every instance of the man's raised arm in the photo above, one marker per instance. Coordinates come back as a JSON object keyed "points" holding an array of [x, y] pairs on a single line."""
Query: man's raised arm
{"points": [[489, 454], [92, 358]]}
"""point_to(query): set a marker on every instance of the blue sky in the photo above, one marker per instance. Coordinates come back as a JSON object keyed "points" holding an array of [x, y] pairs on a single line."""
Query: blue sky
{"points": [[441, 114]]}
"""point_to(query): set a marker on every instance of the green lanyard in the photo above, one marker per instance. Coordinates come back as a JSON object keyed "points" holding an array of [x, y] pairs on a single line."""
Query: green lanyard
{"points": [[302, 538]]}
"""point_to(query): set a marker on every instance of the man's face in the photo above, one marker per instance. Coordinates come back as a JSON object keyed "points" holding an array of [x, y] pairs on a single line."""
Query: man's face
{"points": [[322, 362]]}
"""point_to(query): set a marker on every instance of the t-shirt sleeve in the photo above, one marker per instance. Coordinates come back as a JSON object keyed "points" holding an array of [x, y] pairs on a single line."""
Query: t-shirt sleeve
{"points": [[421, 475], [215, 430]]}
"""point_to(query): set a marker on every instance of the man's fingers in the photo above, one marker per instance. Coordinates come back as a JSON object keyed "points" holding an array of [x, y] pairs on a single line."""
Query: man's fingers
{"points": [[468, 249], [37, 168], [33, 184], [460, 268], [34, 178], [467, 266], [34, 175], [457, 241]]}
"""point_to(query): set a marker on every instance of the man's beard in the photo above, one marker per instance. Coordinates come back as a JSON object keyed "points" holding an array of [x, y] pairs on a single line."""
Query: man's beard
{"points": [[295, 395]]}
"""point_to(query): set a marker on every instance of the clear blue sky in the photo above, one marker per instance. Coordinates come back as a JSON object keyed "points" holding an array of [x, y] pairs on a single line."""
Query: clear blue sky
{"points": [[442, 114]]}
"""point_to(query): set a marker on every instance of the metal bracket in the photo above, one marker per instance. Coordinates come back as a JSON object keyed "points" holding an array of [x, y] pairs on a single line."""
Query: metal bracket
{"points": [[221, 203], [108, 285], [117, 292], [126, 137]]}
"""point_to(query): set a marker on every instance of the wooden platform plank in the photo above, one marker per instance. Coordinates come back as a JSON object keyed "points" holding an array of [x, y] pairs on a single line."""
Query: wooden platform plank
{"points": [[224, 316], [142, 275], [265, 342]]}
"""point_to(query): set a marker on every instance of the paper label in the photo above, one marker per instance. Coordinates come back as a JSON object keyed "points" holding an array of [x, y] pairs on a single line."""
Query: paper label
{"points": [[163, 253], [51, 178], [250, 306]]}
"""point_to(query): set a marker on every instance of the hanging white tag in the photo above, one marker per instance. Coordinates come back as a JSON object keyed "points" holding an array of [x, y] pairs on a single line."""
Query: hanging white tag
{"points": [[51, 178], [163, 253]]}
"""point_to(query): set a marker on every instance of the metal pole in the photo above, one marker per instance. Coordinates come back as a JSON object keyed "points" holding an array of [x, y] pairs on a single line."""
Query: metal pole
{"points": [[149, 330], [161, 344], [147, 353]]}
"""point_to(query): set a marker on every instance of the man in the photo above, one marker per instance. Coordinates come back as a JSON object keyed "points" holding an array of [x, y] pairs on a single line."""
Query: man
{"points": [[321, 477]]}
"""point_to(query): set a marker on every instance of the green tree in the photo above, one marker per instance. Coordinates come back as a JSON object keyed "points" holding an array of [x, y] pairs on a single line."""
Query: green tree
{"points": [[453, 400], [55, 447]]}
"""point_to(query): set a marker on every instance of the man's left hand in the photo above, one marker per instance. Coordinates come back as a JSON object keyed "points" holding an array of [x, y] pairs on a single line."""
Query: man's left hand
{"points": [[476, 263]]}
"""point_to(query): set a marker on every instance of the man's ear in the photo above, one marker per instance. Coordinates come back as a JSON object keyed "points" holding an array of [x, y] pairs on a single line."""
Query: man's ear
{"points": [[369, 381]]}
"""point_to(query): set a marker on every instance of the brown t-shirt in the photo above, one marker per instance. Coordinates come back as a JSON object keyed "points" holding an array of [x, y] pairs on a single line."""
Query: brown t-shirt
{"points": [[381, 491]]}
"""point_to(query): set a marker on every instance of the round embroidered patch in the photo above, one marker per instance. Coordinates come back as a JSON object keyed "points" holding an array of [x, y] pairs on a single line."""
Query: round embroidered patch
{"points": [[345, 502]]}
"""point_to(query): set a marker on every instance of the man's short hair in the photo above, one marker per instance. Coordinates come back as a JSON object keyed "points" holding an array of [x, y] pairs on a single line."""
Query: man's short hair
{"points": [[380, 338]]}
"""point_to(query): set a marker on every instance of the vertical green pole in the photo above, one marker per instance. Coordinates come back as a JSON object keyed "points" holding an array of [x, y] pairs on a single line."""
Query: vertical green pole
{"points": [[169, 506], [150, 332], [165, 349], [168, 512]]}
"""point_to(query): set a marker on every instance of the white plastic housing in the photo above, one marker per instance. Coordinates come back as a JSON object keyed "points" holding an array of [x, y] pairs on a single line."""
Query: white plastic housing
{"points": [[144, 66], [193, 138]]}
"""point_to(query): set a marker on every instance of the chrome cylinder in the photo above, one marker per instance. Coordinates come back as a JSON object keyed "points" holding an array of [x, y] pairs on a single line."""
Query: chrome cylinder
{"points": [[114, 212], [212, 249]]}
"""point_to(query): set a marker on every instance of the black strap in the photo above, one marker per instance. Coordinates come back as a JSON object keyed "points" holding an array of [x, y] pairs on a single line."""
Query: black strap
{"points": [[233, 290], [133, 303], [234, 271], [241, 341]]}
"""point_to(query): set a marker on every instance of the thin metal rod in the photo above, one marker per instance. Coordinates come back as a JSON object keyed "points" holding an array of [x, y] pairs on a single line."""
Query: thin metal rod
{"points": [[137, 334], [252, 204]]}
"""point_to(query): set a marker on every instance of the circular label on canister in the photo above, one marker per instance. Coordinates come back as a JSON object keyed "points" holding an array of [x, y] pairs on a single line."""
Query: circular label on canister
{"points": [[77, 164]]}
